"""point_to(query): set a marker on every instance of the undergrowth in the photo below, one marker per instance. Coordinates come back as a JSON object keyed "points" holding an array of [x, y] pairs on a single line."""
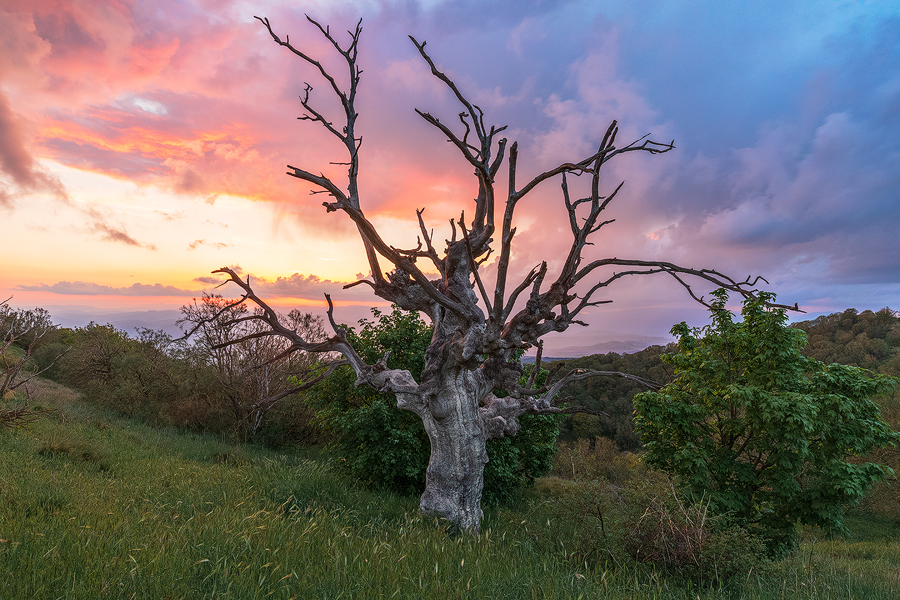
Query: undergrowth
{"points": [[92, 506]]}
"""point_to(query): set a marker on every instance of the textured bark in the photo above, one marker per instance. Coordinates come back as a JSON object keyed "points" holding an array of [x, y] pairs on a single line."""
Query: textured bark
{"points": [[478, 328], [454, 479]]}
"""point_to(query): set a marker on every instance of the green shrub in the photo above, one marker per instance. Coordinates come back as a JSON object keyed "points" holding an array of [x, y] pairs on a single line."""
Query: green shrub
{"points": [[146, 377], [767, 435], [645, 524], [514, 462]]}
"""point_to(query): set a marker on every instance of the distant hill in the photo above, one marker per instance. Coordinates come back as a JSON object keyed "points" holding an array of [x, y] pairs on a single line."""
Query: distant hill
{"points": [[610, 347], [602, 342], [72, 316], [625, 346]]}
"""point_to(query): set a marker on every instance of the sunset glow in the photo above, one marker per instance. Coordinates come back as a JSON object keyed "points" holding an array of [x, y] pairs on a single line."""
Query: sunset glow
{"points": [[145, 144]]}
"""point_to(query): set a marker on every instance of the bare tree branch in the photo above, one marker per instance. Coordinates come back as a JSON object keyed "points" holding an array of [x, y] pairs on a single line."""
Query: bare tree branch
{"points": [[473, 351]]}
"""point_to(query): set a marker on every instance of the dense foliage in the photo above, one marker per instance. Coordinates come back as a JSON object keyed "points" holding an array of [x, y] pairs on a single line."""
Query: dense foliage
{"points": [[611, 395], [386, 447], [861, 339], [767, 435], [143, 377], [22, 334]]}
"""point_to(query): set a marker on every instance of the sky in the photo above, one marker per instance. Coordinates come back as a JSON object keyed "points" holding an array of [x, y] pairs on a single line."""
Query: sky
{"points": [[144, 144]]}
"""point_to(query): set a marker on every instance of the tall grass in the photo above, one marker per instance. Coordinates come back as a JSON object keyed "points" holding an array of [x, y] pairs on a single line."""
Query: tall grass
{"points": [[96, 507]]}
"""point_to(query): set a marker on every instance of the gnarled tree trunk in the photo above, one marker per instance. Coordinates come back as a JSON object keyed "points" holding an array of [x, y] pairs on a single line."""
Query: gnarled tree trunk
{"points": [[455, 475]]}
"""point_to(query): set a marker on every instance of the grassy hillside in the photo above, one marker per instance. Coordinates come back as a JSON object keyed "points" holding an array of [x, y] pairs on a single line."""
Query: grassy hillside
{"points": [[92, 506]]}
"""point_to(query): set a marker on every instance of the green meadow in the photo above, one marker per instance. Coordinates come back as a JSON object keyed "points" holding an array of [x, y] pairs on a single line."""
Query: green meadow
{"points": [[95, 506]]}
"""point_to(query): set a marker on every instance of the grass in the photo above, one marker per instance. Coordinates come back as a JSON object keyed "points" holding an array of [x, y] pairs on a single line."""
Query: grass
{"points": [[92, 506]]}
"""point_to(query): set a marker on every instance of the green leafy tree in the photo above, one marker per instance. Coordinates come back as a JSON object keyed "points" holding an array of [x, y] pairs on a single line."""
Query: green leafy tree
{"points": [[769, 436], [386, 447]]}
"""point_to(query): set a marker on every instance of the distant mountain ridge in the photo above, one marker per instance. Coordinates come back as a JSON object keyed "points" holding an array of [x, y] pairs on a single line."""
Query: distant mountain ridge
{"points": [[620, 343], [73, 316], [627, 346]]}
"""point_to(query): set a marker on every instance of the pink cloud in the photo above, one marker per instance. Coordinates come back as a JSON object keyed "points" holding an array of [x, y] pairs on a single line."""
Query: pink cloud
{"points": [[83, 288], [298, 286], [17, 162], [217, 245], [295, 286]]}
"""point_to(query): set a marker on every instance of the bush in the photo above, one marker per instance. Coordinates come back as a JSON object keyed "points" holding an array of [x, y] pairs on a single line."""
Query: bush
{"points": [[580, 460], [144, 377], [515, 462], [682, 538], [22, 334], [646, 524], [256, 372], [765, 434]]}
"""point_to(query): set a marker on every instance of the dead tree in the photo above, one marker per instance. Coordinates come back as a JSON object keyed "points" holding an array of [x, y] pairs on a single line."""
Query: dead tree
{"points": [[21, 331], [478, 327], [255, 373]]}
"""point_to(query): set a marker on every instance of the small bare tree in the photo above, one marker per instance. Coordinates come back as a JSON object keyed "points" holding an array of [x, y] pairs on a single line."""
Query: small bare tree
{"points": [[21, 331], [478, 328], [253, 367]]}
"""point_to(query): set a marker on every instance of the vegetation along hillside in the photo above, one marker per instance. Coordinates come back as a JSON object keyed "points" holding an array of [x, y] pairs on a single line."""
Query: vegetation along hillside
{"points": [[861, 339], [144, 482]]}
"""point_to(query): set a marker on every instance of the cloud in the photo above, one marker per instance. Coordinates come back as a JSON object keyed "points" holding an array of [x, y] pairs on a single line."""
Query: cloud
{"points": [[298, 285], [111, 233], [308, 287], [818, 202], [14, 159], [83, 288], [217, 245], [171, 216], [160, 95], [527, 32], [17, 162], [21, 48], [208, 280], [786, 160]]}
